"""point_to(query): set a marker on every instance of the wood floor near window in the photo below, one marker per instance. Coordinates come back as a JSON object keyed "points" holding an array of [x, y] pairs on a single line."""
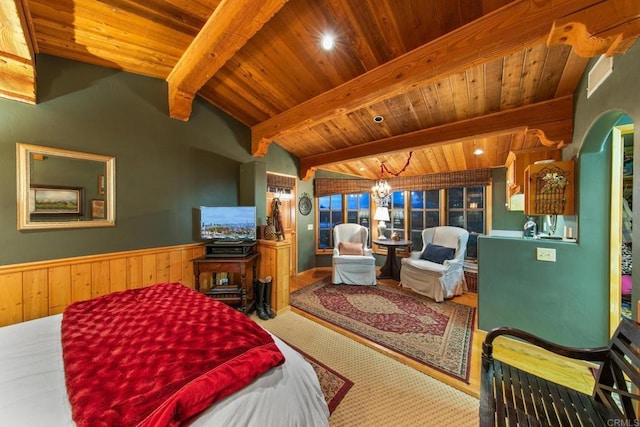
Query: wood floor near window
{"points": [[570, 373]]}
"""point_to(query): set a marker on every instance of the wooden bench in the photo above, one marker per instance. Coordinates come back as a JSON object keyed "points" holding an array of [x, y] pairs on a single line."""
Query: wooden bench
{"points": [[510, 396]]}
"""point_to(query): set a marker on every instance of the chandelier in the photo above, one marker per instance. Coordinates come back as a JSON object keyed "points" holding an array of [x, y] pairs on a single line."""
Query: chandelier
{"points": [[381, 191]]}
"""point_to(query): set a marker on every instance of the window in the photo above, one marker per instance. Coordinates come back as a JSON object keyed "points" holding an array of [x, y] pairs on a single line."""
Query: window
{"points": [[396, 214], [358, 209], [329, 215], [465, 208], [332, 210], [425, 213], [410, 212]]}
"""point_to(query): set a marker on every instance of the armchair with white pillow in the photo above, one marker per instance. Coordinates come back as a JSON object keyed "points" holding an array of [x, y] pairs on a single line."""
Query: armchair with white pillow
{"points": [[437, 271], [353, 262]]}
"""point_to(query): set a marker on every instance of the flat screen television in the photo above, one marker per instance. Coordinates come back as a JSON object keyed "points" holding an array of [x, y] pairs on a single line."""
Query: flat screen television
{"points": [[227, 223]]}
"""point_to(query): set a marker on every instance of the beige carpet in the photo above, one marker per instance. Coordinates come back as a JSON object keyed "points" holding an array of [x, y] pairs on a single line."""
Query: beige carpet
{"points": [[385, 392]]}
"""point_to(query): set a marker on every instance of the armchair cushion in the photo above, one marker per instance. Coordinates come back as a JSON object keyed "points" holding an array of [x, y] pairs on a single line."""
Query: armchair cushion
{"points": [[438, 254], [424, 267], [350, 248]]}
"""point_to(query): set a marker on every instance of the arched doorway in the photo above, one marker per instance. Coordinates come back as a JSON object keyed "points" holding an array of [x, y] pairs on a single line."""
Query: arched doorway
{"points": [[621, 220], [605, 132]]}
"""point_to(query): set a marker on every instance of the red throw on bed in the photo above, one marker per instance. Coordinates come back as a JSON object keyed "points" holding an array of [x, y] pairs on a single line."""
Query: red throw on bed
{"points": [[158, 356]]}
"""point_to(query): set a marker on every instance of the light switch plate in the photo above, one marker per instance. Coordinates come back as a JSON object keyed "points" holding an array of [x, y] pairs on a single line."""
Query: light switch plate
{"points": [[546, 254], [309, 226]]}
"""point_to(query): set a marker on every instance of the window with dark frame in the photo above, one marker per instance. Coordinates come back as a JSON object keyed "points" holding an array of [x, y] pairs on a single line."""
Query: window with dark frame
{"points": [[465, 208], [410, 212], [397, 215], [424, 213], [329, 215], [358, 207]]}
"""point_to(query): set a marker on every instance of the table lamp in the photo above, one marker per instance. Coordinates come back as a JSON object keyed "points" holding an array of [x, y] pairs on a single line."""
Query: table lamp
{"points": [[382, 215]]}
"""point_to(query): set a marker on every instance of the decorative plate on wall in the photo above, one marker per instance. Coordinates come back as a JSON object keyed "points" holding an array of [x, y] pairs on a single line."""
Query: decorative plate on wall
{"points": [[304, 204]]}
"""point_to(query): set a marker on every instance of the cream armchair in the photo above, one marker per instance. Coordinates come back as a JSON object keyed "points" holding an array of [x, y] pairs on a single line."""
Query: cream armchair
{"points": [[353, 262], [441, 274]]}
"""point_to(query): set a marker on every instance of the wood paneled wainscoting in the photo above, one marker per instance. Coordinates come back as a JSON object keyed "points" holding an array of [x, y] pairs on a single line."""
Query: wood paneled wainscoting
{"points": [[38, 289]]}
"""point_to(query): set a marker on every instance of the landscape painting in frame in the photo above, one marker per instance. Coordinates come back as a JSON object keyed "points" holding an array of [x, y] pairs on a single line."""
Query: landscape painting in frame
{"points": [[55, 200]]}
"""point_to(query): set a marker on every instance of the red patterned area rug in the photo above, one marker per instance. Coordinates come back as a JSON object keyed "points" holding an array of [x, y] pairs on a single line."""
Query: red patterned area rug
{"points": [[438, 335], [334, 385]]}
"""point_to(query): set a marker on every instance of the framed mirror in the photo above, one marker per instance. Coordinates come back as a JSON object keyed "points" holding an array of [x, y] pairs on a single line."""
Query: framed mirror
{"points": [[64, 189]]}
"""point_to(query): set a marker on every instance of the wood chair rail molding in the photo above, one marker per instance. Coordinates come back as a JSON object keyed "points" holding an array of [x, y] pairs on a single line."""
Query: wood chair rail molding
{"points": [[38, 289]]}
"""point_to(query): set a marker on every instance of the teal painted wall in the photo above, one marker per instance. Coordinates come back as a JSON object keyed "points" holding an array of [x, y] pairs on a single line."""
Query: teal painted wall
{"points": [[253, 185], [568, 301], [564, 301], [548, 299], [503, 219], [306, 237], [615, 102], [164, 167]]}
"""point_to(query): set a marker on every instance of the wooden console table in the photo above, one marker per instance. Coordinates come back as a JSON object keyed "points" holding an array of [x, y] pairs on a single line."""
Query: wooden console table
{"points": [[241, 293]]}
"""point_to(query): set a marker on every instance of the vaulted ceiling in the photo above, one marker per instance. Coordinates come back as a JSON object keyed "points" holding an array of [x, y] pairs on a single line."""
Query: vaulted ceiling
{"points": [[447, 76]]}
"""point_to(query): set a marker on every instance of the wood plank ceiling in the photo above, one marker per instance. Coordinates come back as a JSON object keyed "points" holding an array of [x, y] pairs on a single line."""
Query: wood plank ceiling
{"points": [[447, 76]]}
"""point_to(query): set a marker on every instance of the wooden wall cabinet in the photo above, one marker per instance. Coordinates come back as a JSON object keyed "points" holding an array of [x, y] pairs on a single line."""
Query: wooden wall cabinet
{"points": [[517, 162], [274, 262], [550, 189]]}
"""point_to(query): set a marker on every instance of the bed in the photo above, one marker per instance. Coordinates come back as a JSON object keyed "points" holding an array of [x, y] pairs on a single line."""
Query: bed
{"points": [[34, 391]]}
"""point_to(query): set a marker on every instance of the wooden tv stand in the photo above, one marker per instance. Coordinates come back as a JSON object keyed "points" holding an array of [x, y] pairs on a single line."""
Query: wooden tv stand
{"points": [[239, 294]]}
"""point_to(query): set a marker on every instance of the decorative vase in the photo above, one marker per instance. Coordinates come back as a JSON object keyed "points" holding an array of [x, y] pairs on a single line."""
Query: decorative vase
{"points": [[382, 227], [270, 230]]}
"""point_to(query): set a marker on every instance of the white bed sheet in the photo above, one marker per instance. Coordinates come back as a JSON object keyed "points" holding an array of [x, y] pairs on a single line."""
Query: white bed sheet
{"points": [[33, 392]]}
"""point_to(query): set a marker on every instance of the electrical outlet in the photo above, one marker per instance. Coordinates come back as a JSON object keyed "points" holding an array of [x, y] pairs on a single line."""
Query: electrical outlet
{"points": [[546, 254]]}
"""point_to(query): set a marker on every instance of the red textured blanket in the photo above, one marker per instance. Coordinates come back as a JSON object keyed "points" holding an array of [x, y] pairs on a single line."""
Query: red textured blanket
{"points": [[158, 356]]}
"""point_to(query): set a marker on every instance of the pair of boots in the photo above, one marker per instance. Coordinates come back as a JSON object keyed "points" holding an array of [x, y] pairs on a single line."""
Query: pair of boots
{"points": [[263, 299]]}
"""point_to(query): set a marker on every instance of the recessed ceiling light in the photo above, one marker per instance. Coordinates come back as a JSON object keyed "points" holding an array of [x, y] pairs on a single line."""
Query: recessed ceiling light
{"points": [[478, 151], [328, 41], [361, 169], [378, 119]]}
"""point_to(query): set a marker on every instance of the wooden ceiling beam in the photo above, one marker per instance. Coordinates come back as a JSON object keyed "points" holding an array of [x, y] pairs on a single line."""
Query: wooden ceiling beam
{"points": [[613, 32], [553, 119], [228, 28], [496, 35], [17, 52]]}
